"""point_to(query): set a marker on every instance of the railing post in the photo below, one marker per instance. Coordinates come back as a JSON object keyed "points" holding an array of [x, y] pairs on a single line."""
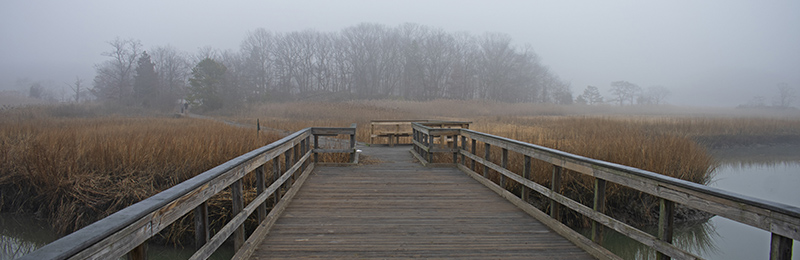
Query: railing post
{"points": [[504, 164], [780, 247], [288, 163], [474, 152], [201, 234], [302, 153], [464, 148], [276, 171], [555, 186], [260, 187], [237, 197], [139, 252], [353, 147], [526, 173], [599, 206], [316, 146], [486, 153], [666, 210], [455, 145], [430, 148]]}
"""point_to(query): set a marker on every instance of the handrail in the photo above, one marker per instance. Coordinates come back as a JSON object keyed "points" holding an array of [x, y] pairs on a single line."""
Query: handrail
{"points": [[783, 221], [127, 230]]}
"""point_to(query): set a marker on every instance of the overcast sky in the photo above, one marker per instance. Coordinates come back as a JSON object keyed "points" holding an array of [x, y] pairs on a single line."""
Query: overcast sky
{"points": [[709, 53]]}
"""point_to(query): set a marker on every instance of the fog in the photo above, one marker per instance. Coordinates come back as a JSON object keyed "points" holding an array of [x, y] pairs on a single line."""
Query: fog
{"points": [[708, 53]]}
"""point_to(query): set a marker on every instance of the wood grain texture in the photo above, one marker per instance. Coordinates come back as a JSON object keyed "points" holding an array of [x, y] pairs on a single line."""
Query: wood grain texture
{"points": [[399, 209]]}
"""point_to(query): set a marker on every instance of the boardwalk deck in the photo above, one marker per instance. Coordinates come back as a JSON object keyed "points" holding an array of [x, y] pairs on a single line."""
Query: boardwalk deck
{"points": [[399, 209]]}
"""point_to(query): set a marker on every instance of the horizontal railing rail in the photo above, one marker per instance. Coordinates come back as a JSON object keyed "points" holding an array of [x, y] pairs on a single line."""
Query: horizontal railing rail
{"points": [[783, 221], [127, 231], [394, 129]]}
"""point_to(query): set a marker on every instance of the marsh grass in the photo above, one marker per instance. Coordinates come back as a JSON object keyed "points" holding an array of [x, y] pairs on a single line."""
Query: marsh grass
{"points": [[75, 164], [75, 171]]}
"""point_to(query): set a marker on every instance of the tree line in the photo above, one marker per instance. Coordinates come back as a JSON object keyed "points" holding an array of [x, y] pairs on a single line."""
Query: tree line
{"points": [[366, 61]]}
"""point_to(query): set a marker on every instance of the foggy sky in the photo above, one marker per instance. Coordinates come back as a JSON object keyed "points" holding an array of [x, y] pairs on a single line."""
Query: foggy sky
{"points": [[709, 53]]}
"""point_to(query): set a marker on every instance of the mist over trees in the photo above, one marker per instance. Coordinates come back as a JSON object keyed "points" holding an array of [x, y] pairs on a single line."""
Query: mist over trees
{"points": [[366, 61]]}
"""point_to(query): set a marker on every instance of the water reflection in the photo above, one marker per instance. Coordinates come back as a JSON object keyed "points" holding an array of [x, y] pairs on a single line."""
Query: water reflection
{"points": [[759, 156], [20, 235], [697, 237]]}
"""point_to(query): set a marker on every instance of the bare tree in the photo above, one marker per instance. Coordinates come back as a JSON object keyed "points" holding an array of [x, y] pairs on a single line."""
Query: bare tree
{"points": [[172, 67], [786, 95], [624, 91], [114, 80], [76, 87], [657, 95]]}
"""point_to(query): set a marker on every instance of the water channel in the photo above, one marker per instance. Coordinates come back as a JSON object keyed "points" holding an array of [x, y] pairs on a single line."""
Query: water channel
{"points": [[770, 173]]}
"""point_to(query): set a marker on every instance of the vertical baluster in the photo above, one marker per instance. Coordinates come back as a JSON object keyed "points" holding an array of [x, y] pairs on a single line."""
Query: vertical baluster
{"points": [[486, 153], [353, 148], [526, 173], [666, 212], [276, 172], [504, 164], [555, 186], [455, 153], [474, 152], [201, 234], [599, 206], [464, 148], [139, 252], [288, 164], [780, 247], [316, 146], [260, 187], [237, 197], [430, 148]]}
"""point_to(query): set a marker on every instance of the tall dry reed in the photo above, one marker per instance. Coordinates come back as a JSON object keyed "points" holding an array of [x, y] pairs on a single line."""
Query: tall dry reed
{"points": [[75, 171]]}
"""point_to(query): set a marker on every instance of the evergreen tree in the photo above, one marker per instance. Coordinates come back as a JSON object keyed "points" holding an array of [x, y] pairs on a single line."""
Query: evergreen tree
{"points": [[145, 83], [206, 84], [591, 95]]}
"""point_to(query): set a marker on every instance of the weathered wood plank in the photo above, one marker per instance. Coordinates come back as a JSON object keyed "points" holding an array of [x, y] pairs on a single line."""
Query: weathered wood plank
{"points": [[398, 209]]}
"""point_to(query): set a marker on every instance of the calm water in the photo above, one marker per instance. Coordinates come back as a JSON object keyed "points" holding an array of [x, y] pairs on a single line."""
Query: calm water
{"points": [[770, 173]]}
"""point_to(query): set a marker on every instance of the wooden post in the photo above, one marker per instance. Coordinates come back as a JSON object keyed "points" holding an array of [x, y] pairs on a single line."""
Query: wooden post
{"points": [[666, 210], [780, 248], [504, 164], [486, 154], [316, 146], [353, 147], [260, 187], [463, 147], [555, 186], [301, 154], [371, 134], [474, 152], [201, 234], [139, 252], [276, 171], [599, 206], [237, 197], [455, 145], [430, 148], [526, 173], [288, 164]]}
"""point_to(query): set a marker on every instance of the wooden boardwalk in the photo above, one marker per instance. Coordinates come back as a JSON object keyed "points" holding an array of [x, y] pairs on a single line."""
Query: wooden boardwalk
{"points": [[397, 208]]}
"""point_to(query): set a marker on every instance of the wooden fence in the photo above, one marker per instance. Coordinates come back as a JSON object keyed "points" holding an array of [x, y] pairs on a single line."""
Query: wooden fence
{"points": [[393, 130], [127, 231], [783, 221]]}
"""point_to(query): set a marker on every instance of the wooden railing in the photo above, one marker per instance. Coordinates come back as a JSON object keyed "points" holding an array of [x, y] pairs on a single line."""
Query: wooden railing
{"points": [[127, 231], [394, 129], [783, 221]]}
